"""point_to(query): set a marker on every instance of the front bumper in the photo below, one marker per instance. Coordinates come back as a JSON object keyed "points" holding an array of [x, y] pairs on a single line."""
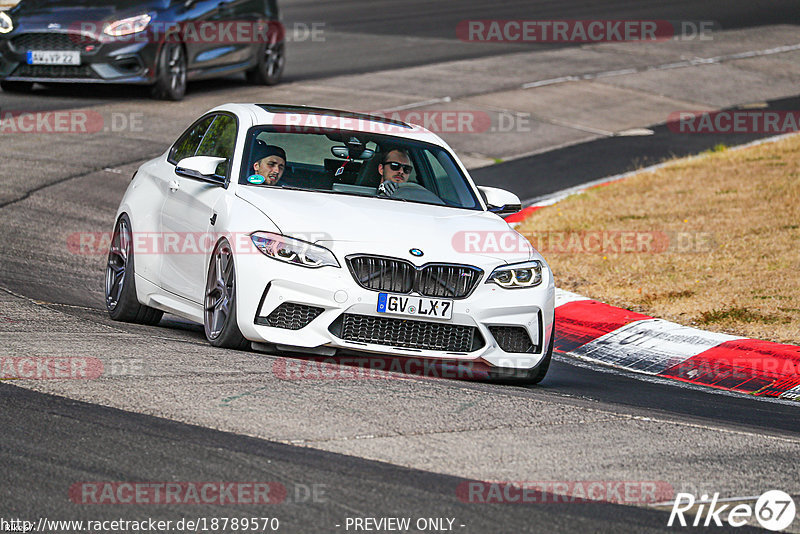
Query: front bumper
{"points": [[333, 312], [108, 62]]}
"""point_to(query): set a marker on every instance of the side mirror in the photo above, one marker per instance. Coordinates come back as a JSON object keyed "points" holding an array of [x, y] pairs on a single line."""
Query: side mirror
{"points": [[202, 168], [500, 201]]}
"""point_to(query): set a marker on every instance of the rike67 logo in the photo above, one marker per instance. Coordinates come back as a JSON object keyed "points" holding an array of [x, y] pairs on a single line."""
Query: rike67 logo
{"points": [[774, 510]]}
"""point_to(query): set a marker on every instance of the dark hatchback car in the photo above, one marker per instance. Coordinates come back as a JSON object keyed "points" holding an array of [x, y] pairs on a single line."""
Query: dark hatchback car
{"points": [[160, 43]]}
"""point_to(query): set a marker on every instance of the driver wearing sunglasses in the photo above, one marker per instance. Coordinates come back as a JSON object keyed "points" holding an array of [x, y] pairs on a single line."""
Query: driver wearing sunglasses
{"points": [[395, 167]]}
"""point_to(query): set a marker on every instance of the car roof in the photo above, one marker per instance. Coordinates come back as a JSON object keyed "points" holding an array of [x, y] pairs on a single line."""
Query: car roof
{"points": [[317, 118]]}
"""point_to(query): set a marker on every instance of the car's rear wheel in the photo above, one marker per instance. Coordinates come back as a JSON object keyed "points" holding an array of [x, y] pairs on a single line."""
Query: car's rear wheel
{"points": [[219, 317], [120, 287], [170, 73], [16, 87], [269, 69]]}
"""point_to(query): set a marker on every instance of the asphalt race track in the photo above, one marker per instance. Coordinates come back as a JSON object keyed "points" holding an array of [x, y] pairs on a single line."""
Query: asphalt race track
{"points": [[180, 410], [387, 35], [353, 487]]}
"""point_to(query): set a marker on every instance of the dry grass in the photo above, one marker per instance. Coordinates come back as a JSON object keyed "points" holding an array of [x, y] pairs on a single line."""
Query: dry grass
{"points": [[720, 235]]}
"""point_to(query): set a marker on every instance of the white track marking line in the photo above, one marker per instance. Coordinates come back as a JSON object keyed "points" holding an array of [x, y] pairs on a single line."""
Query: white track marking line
{"points": [[419, 104], [664, 66]]}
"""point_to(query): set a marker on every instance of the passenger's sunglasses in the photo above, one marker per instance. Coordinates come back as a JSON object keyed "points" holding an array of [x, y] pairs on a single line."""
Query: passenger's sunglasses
{"points": [[395, 166]]}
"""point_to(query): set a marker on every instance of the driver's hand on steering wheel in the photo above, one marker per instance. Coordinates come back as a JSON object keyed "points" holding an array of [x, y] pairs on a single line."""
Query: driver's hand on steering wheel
{"points": [[387, 189]]}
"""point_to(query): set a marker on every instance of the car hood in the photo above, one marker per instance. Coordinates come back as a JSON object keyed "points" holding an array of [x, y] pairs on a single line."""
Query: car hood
{"points": [[65, 12], [352, 224]]}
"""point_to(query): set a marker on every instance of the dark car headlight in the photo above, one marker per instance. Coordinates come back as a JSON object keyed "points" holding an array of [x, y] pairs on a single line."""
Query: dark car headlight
{"points": [[290, 250], [128, 26], [518, 275], [6, 25]]}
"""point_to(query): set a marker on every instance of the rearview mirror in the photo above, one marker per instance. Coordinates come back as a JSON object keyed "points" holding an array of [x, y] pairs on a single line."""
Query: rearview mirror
{"points": [[344, 152], [500, 201], [201, 168]]}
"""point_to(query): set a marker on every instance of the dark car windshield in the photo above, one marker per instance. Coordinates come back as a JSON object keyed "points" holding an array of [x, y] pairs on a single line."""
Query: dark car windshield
{"points": [[343, 162]]}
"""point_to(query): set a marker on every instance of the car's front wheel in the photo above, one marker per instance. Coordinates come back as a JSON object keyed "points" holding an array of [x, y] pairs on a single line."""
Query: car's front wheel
{"points": [[120, 289], [170, 73], [219, 317], [537, 375]]}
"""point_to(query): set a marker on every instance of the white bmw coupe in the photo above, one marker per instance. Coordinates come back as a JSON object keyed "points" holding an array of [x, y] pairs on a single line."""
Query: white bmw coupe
{"points": [[327, 232]]}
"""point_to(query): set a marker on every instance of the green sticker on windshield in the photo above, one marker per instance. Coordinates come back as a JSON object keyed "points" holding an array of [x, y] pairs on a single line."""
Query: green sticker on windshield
{"points": [[256, 179]]}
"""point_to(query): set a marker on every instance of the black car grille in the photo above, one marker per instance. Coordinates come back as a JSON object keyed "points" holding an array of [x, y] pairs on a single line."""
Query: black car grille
{"points": [[52, 41], [399, 276], [408, 334], [55, 71], [513, 339], [291, 316]]}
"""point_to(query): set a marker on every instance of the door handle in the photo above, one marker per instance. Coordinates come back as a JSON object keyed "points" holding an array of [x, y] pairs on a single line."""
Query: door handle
{"points": [[174, 185]]}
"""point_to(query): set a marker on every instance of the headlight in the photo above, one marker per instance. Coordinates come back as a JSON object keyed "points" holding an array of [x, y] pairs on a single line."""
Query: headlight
{"points": [[128, 26], [528, 274], [5, 23], [294, 251]]}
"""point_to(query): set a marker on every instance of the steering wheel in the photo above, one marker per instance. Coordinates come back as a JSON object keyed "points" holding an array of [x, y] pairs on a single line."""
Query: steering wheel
{"points": [[415, 192]]}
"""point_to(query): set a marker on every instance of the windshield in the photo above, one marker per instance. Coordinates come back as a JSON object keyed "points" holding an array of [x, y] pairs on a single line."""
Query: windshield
{"points": [[356, 163]]}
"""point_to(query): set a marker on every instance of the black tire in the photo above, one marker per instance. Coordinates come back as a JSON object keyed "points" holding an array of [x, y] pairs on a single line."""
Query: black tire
{"points": [[532, 376], [170, 72], [537, 375], [16, 87], [219, 306], [269, 69], [120, 286]]}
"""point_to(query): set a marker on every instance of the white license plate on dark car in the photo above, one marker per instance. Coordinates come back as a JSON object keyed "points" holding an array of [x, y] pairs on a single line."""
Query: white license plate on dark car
{"points": [[53, 57], [415, 306]]}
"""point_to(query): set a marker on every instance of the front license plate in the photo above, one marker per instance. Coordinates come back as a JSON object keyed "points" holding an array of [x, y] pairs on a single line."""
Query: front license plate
{"points": [[53, 57], [415, 306]]}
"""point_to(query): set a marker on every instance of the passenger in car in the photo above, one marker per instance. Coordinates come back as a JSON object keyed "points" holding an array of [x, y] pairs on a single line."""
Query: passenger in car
{"points": [[270, 162], [394, 169]]}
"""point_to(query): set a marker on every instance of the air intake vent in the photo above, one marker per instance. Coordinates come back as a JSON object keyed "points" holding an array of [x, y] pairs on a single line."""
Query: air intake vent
{"points": [[52, 41], [513, 339], [422, 335], [54, 71], [291, 316]]}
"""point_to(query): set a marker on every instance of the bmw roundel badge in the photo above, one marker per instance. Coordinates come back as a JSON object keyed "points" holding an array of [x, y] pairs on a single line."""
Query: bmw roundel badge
{"points": [[416, 252]]}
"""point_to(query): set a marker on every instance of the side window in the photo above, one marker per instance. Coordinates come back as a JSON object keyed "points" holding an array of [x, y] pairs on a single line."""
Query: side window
{"points": [[187, 145], [219, 142], [444, 185], [438, 171]]}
